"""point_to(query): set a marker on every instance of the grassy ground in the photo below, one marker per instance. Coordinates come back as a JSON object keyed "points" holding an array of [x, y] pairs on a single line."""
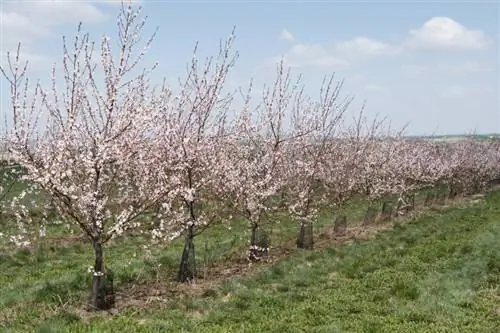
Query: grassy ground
{"points": [[437, 273]]}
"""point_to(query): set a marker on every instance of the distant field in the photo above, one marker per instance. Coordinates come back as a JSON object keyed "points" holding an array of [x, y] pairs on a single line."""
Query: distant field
{"points": [[459, 137]]}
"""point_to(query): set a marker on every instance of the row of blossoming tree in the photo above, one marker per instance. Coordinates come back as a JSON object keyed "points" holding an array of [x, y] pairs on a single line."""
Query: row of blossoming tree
{"points": [[116, 153]]}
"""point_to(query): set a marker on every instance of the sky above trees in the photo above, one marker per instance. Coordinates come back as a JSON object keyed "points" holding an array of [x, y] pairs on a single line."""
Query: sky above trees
{"points": [[434, 65]]}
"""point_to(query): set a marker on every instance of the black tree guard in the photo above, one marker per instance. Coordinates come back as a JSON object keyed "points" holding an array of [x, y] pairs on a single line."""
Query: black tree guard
{"points": [[187, 269], [305, 239], [259, 244]]}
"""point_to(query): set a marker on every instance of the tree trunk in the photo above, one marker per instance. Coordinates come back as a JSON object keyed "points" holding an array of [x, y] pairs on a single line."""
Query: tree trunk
{"points": [[253, 235], [386, 212], [370, 215], [253, 251], [259, 243], [340, 225], [102, 293], [187, 268], [305, 239]]}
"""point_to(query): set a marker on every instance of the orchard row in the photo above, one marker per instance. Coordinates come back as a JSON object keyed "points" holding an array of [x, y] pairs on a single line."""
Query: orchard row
{"points": [[117, 154]]}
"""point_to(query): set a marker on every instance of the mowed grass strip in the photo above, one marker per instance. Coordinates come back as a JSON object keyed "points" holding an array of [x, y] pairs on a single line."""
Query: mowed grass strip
{"points": [[439, 273]]}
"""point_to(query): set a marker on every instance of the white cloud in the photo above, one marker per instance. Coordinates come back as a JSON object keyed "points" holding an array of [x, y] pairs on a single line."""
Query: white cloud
{"points": [[461, 68], [467, 67], [357, 77], [452, 92], [27, 22], [119, 2], [313, 55], [376, 88], [437, 34], [445, 34], [367, 46], [286, 35], [31, 22], [54, 13], [36, 62], [17, 27], [414, 70]]}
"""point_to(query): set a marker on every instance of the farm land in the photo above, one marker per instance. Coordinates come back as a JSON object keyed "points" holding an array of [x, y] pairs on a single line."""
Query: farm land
{"points": [[132, 207]]}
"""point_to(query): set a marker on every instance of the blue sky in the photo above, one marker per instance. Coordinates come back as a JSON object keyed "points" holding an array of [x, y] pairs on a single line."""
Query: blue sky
{"points": [[433, 64]]}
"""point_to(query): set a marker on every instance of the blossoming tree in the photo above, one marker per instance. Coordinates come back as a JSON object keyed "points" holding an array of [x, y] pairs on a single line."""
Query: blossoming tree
{"points": [[306, 165], [257, 148], [194, 129], [86, 140]]}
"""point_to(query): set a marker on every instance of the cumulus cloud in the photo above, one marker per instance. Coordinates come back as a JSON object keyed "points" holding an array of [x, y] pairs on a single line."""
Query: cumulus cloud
{"points": [[27, 22], [367, 46], [414, 70], [452, 92], [376, 88], [119, 2], [437, 34], [31, 22], [286, 35], [36, 62], [465, 68], [54, 13], [445, 34], [459, 68], [313, 55], [17, 27]]}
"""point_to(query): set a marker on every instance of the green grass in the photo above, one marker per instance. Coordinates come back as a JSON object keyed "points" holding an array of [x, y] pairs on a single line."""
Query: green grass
{"points": [[438, 273]]}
